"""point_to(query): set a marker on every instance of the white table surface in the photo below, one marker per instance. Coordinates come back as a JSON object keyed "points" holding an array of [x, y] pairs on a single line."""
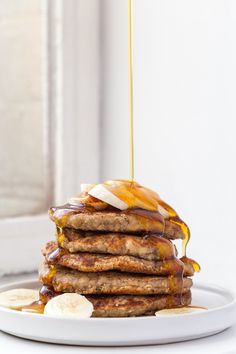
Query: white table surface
{"points": [[224, 342]]}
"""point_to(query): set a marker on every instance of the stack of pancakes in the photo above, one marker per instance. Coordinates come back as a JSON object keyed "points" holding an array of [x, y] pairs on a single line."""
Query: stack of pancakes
{"points": [[122, 261]]}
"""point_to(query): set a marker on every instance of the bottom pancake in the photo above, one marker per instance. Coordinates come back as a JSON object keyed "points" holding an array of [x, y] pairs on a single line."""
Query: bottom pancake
{"points": [[113, 283], [126, 305]]}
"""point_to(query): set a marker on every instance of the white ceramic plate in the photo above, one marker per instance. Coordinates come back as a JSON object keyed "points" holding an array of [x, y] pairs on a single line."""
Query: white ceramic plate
{"points": [[125, 331]]}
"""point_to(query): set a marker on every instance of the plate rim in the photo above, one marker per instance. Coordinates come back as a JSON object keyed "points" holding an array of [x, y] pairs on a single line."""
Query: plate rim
{"points": [[229, 293]]}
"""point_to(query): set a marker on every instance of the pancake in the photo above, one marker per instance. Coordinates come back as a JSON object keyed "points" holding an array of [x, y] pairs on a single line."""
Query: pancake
{"points": [[135, 221], [126, 305], [151, 247], [68, 280], [88, 262]]}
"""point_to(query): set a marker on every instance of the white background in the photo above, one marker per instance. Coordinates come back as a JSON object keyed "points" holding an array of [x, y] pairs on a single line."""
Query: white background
{"points": [[185, 115]]}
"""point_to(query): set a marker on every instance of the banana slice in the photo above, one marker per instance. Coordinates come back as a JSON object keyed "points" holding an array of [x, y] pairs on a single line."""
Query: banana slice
{"points": [[102, 193], [179, 311], [69, 305], [18, 298], [85, 187]]}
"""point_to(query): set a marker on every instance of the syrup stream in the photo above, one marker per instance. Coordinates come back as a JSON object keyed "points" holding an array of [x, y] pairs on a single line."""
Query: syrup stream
{"points": [[130, 61]]}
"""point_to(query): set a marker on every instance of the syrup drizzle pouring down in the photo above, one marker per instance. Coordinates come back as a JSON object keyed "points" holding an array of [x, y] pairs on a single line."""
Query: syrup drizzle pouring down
{"points": [[130, 66], [172, 213]]}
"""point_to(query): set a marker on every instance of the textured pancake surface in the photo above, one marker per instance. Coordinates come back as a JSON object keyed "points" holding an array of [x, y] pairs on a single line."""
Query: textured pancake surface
{"points": [[115, 221], [88, 262], [151, 247], [127, 305], [68, 280]]}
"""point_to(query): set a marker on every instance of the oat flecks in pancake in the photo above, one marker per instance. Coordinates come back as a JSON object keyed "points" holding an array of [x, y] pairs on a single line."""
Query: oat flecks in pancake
{"points": [[87, 262], [68, 280], [115, 221], [151, 247]]}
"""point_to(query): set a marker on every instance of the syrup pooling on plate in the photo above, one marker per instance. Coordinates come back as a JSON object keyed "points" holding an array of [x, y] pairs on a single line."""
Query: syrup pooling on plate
{"points": [[35, 307], [46, 293]]}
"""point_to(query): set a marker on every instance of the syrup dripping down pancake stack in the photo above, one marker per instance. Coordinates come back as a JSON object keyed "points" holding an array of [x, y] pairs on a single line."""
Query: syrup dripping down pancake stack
{"points": [[114, 245]]}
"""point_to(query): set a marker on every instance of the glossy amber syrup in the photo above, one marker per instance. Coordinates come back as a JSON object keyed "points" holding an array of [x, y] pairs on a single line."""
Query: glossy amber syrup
{"points": [[60, 237], [192, 262], [38, 306], [49, 275], [55, 255], [133, 194], [129, 191], [173, 217], [60, 214], [35, 307], [46, 293]]}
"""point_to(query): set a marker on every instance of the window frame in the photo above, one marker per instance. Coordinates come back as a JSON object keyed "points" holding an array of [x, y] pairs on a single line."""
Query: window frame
{"points": [[71, 87]]}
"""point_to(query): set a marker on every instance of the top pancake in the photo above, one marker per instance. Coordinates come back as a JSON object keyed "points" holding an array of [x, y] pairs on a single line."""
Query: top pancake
{"points": [[132, 221]]}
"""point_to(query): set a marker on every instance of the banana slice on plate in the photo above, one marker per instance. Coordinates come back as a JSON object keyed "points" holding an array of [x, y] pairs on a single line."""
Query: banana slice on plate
{"points": [[69, 305], [179, 311], [18, 298]]}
